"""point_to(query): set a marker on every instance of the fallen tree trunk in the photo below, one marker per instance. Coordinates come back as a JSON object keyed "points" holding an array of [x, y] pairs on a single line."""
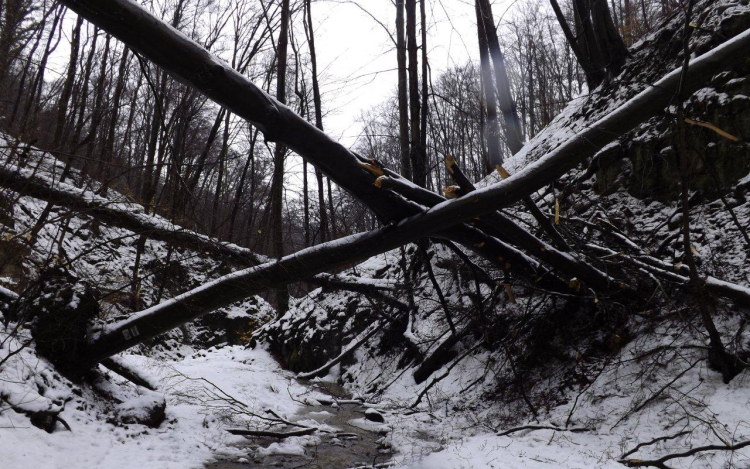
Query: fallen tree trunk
{"points": [[122, 369], [129, 216], [497, 224], [323, 370], [185, 59]]}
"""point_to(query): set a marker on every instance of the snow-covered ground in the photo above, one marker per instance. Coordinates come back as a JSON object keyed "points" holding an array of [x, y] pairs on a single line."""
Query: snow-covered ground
{"points": [[197, 390]]}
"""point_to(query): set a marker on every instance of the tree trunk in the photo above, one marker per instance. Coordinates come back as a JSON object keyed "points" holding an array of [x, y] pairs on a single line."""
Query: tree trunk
{"points": [[108, 152], [418, 166], [403, 100], [241, 186], [424, 107], [488, 88], [324, 228], [593, 77], [614, 51], [513, 132], [220, 177], [67, 89], [585, 31], [279, 155]]}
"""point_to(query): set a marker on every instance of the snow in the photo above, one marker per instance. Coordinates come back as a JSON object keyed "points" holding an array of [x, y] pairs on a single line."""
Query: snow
{"points": [[544, 450], [285, 447], [194, 430]]}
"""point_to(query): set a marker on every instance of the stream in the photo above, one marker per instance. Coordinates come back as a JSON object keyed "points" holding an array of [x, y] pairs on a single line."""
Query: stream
{"points": [[348, 447]]}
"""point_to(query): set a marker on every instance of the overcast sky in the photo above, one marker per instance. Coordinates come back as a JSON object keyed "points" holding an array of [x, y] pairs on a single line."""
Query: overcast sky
{"points": [[359, 58]]}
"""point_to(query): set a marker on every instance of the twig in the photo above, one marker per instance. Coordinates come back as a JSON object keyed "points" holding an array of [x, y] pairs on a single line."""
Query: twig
{"points": [[545, 427], [302, 432], [657, 393], [660, 462], [283, 420], [445, 373], [654, 441]]}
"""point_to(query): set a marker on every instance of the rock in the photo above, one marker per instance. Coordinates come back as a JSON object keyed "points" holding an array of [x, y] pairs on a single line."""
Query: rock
{"points": [[735, 23], [374, 416], [59, 307], [147, 409]]}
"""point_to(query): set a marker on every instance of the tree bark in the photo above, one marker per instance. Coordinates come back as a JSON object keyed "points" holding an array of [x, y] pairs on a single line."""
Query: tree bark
{"points": [[513, 132], [418, 166], [585, 30], [62, 103], [613, 49], [593, 77], [492, 135], [424, 95], [108, 153], [241, 186]]}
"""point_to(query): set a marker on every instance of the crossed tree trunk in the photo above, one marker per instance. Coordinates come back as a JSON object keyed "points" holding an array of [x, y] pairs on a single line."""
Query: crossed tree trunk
{"points": [[405, 220]]}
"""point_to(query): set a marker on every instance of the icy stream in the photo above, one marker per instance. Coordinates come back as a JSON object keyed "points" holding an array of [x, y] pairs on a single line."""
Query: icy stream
{"points": [[349, 446]]}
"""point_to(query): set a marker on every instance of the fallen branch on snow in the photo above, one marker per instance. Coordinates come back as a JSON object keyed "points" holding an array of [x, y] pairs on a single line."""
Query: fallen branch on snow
{"points": [[134, 376], [445, 374], [301, 432], [654, 441], [323, 370], [660, 463], [545, 427]]}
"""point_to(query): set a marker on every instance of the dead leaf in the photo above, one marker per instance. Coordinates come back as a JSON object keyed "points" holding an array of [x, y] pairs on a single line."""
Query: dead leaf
{"points": [[723, 133], [503, 173]]}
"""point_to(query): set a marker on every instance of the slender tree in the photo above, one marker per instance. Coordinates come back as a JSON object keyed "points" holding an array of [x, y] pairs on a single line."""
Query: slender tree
{"points": [[279, 155], [325, 232], [418, 165], [403, 93]]}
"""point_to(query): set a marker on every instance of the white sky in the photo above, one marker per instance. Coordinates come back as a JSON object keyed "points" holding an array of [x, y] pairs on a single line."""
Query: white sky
{"points": [[359, 60]]}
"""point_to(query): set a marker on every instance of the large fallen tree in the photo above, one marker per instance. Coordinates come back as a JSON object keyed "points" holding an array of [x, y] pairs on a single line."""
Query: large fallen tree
{"points": [[130, 216], [402, 209], [190, 63], [280, 123]]}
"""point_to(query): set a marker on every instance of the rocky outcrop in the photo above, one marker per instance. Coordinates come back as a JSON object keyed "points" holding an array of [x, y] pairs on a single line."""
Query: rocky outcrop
{"points": [[644, 162]]}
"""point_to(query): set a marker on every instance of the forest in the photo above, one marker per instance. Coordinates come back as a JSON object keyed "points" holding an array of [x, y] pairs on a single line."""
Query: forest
{"points": [[374, 234]]}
